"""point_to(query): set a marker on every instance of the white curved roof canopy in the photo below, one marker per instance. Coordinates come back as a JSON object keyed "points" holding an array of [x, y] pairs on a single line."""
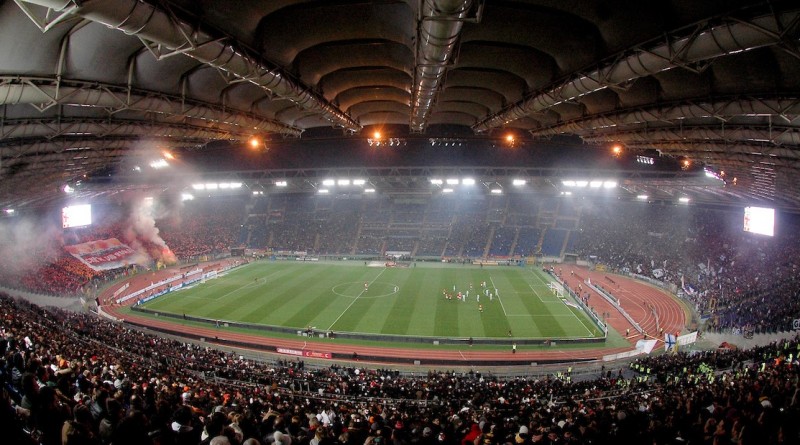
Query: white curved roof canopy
{"points": [[82, 81]]}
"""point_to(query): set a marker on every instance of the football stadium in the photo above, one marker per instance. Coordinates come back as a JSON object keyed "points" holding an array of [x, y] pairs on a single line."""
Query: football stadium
{"points": [[433, 222]]}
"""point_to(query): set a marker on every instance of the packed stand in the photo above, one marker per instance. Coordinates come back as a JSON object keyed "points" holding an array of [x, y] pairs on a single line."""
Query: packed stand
{"points": [[72, 378], [735, 280]]}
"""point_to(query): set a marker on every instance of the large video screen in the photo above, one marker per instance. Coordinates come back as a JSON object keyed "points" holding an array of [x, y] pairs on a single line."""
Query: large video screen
{"points": [[76, 216], [760, 220]]}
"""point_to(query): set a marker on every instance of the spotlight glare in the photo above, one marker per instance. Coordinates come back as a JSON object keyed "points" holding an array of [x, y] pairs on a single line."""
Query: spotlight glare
{"points": [[159, 163]]}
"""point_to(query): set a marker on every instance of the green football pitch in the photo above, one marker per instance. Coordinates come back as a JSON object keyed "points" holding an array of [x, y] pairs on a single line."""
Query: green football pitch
{"points": [[354, 297]]}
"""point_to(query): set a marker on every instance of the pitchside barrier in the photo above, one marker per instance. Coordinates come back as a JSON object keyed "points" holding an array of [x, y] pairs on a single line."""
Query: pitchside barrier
{"points": [[499, 341], [559, 287]]}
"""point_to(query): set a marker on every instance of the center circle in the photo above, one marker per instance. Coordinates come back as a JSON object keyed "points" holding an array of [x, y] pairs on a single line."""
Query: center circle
{"points": [[377, 289]]}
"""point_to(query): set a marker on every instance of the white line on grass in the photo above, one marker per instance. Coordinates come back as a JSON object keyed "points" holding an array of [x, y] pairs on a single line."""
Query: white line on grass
{"points": [[584, 324], [354, 301], [498, 297], [540, 298]]}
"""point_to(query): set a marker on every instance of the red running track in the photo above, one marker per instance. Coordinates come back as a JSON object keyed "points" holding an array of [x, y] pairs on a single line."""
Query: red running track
{"points": [[636, 298]]}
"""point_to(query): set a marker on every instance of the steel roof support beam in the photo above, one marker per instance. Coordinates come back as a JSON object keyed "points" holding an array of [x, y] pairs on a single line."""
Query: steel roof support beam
{"points": [[45, 93], [683, 48], [437, 34], [13, 131], [787, 110], [715, 152], [165, 35], [775, 135]]}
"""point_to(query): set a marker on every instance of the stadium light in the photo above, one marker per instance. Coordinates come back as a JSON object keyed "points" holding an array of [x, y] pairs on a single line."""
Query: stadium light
{"points": [[642, 197], [452, 181], [8, 211], [328, 182], [497, 191], [568, 183], [683, 200], [359, 182], [68, 189], [468, 181], [343, 182], [566, 193], [224, 185], [609, 184], [596, 184], [437, 182], [187, 197], [212, 186], [369, 190], [323, 191], [447, 190], [159, 164], [581, 183], [281, 183], [519, 182], [199, 186]]}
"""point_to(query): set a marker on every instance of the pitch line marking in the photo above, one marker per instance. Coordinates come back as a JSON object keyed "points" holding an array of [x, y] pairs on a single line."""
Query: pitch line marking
{"points": [[354, 300], [498, 297]]}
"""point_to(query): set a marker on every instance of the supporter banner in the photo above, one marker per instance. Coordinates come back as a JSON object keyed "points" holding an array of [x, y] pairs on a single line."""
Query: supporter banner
{"points": [[121, 289], [105, 254], [645, 346], [669, 342], [687, 339]]}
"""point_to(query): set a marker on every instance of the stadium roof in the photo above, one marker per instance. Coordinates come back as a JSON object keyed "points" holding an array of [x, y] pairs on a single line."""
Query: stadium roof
{"points": [[85, 85]]}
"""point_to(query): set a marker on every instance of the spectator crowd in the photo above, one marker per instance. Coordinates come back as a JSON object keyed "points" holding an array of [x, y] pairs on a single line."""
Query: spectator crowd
{"points": [[72, 378]]}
